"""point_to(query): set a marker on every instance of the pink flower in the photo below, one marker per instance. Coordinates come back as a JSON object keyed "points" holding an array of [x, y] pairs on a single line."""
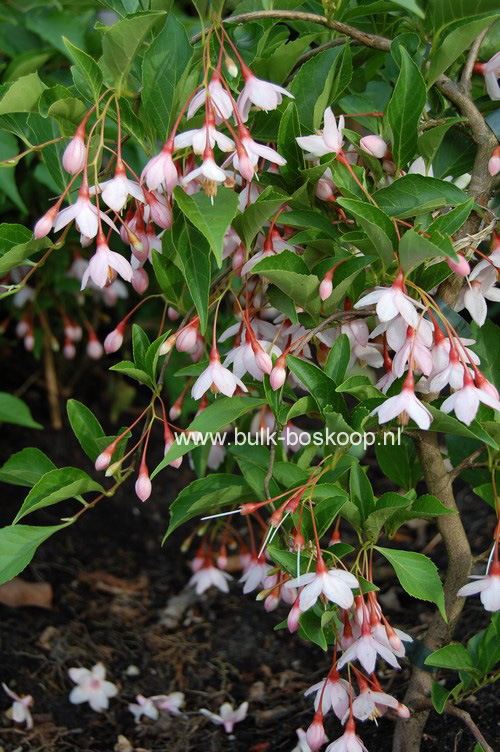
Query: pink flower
{"points": [[452, 374], [335, 584], [460, 267], [390, 302], [91, 687], [278, 374], [263, 94], [114, 339], [161, 169], [186, 339], [73, 158], [102, 264], [227, 715], [171, 703], [412, 347], [207, 170], [348, 742], [315, 734], [374, 145], [45, 223], [115, 192], [20, 710], [144, 706], [256, 150], [371, 704], [84, 213], [488, 585], [208, 576], [327, 141], [216, 377], [218, 96], [406, 405], [143, 485], [252, 357], [481, 286], [465, 401]]}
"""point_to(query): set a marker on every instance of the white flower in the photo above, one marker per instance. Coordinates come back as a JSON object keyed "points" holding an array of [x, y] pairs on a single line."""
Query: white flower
{"points": [[217, 377], [365, 650], [491, 71], [465, 401], [335, 694], [302, 745], [348, 742], [263, 94], [116, 191], [91, 687], [336, 584], [102, 263], [371, 704], [327, 141], [404, 404], [390, 302], [256, 150], [84, 213], [254, 573], [161, 169], [418, 167], [488, 585], [197, 138], [208, 576], [208, 170], [20, 709], [145, 706], [227, 716], [412, 346], [479, 288], [171, 703], [243, 358]]}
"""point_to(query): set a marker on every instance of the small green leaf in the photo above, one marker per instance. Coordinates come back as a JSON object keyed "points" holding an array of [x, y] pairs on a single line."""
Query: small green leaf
{"points": [[86, 67], [194, 253], [453, 656], [404, 110], [211, 215], [26, 467], [18, 544], [377, 225], [250, 221], [86, 428], [57, 485], [14, 410], [418, 575], [338, 359]]}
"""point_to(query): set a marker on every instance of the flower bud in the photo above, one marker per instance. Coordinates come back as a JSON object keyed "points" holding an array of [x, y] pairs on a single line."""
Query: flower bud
{"points": [[172, 314], [325, 288], [245, 166], [494, 163], [239, 258], [168, 344], [175, 410], [69, 350], [294, 616], [278, 375], [374, 145], [143, 486], [169, 441], [161, 213], [402, 710], [22, 327], [140, 280], [45, 223], [272, 601], [102, 462], [324, 190], [460, 267], [114, 340], [231, 66], [315, 734], [186, 340], [94, 348], [74, 155], [263, 360], [29, 341]]}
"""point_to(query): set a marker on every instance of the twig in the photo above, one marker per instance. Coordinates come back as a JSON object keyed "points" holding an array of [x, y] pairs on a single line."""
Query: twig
{"points": [[467, 462], [465, 80], [51, 382], [464, 716], [269, 474]]}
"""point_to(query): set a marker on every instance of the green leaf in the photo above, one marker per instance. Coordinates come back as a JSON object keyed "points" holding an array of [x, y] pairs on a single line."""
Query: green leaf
{"points": [[311, 629], [338, 359], [360, 386], [452, 46], [487, 338], [18, 544], [170, 279], [86, 428], [17, 243], [448, 424], [21, 95], [320, 386], [57, 485], [8, 184], [211, 215], [140, 344], [280, 300], [216, 416], [290, 274], [361, 492], [452, 220], [399, 463], [14, 410], [404, 110], [439, 695], [415, 248], [343, 277], [86, 67], [416, 194], [288, 147], [128, 368], [250, 222], [194, 253], [121, 43], [453, 656], [384, 508], [377, 225], [411, 6], [418, 575], [207, 495], [430, 140], [164, 69], [24, 468], [318, 82]]}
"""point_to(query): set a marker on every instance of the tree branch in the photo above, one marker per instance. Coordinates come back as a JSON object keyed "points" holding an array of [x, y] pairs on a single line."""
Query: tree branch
{"points": [[465, 717], [465, 79]]}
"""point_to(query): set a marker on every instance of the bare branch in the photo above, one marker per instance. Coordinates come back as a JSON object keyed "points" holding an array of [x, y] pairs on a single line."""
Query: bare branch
{"points": [[465, 79]]}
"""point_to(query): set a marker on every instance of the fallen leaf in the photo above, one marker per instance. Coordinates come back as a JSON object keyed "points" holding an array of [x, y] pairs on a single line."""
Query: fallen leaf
{"points": [[105, 582], [18, 593]]}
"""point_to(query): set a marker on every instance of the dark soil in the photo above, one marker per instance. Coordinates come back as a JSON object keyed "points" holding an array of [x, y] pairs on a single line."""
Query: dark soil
{"points": [[225, 648]]}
